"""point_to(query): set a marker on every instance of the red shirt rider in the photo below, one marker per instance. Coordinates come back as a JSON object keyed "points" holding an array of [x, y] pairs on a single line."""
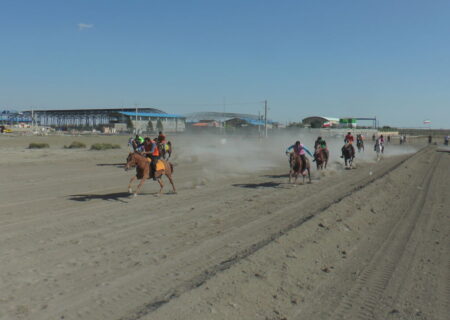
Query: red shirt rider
{"points": [[349, 138]]}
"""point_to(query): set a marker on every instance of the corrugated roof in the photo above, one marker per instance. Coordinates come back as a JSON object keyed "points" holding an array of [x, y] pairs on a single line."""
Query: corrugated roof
{"points": [[158, 115]]}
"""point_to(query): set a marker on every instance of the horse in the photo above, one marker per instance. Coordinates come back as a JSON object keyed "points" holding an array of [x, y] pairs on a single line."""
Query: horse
{"points": [[296, 165], [379, 149], [349, 155], [142, 165], [360, 145], [165, 149], [321, 158]]}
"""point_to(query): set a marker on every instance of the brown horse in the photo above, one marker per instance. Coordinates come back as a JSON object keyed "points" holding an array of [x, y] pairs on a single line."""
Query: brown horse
{"points": [[298, 167], [321, 157], [143, 171]]}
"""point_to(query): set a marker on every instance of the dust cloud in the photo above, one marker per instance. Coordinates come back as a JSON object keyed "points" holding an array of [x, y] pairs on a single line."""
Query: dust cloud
{"points": [[220, 156]]}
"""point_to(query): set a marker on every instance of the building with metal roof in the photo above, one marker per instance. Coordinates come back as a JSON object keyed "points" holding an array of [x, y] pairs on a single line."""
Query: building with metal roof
{"points": [[119, 119], [320, 122]]}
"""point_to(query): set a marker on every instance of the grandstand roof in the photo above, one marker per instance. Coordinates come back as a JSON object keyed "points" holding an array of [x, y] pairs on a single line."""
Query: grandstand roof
{"points": [[99, 110], [151, 114]]}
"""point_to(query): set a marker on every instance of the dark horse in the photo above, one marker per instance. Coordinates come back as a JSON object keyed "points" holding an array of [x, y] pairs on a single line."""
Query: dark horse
{"points": [[349, 155], [298, 167], [165, 150], [142, 165], [321, 157], [360, 144]]}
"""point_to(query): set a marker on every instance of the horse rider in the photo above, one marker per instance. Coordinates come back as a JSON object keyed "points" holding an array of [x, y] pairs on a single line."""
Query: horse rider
{"points": [[161, 140], [348, 140], [300, 150], [131, 144], [138, 142], [152, 151], [320, 143], [161, 137], [380, 142]]}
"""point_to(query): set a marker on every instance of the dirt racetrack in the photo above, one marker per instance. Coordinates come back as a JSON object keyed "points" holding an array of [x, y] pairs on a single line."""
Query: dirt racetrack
{"points": [[236, 242]]}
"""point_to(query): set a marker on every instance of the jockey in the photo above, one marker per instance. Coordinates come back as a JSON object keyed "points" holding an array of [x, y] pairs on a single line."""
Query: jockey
{"points": [[147, 147], [153, 153], [380, 142], [161, 138], [138, 142], [131, 144], [348, 141], [320, 143], [300, 150], [349, 138]]}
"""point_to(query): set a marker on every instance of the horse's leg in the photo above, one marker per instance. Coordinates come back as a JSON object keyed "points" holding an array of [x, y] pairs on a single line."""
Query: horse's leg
{"points": [[290, 175], [138, 189], [129, 184], [171, 182], [161, 184], [309, 174]]}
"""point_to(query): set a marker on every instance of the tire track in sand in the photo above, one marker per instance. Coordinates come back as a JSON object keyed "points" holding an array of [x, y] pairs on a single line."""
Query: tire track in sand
{"points": [[200, 279], [364, 297]]}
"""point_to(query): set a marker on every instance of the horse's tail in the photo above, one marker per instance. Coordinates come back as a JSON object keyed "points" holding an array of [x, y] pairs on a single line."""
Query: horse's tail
{"points": [[171, 166]]}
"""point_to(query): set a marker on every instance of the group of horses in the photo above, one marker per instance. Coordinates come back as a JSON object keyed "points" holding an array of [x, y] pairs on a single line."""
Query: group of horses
{"points": [[301, 166], [143, 172], [298, 166]]}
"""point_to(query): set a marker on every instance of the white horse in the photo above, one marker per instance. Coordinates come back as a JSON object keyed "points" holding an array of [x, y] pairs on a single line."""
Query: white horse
{"points": [[379, 149]]}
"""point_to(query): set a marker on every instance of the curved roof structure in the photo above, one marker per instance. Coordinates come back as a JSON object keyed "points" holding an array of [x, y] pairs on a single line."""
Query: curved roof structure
{"points": [[320, 118]]}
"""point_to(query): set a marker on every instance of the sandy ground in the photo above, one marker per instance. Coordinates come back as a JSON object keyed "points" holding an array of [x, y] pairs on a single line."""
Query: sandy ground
{"points": [[236, 242]]}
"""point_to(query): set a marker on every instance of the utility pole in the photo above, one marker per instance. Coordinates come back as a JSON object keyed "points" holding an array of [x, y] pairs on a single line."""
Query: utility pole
{"points": [[135, 125], [259, 123], [265, 118]]}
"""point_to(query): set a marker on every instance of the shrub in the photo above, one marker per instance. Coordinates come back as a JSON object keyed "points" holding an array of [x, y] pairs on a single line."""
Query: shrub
{"points": [[104, 146], [75, 145], [36, 145]]}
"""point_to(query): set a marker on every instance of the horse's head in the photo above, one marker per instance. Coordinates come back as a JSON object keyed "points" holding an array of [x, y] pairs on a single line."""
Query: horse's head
{"points": [[294, 159], [131, 161], [318, 155]]}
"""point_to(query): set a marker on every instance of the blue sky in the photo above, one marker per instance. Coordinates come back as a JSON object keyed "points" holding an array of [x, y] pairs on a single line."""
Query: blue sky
{"points": [[389, 58]]}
